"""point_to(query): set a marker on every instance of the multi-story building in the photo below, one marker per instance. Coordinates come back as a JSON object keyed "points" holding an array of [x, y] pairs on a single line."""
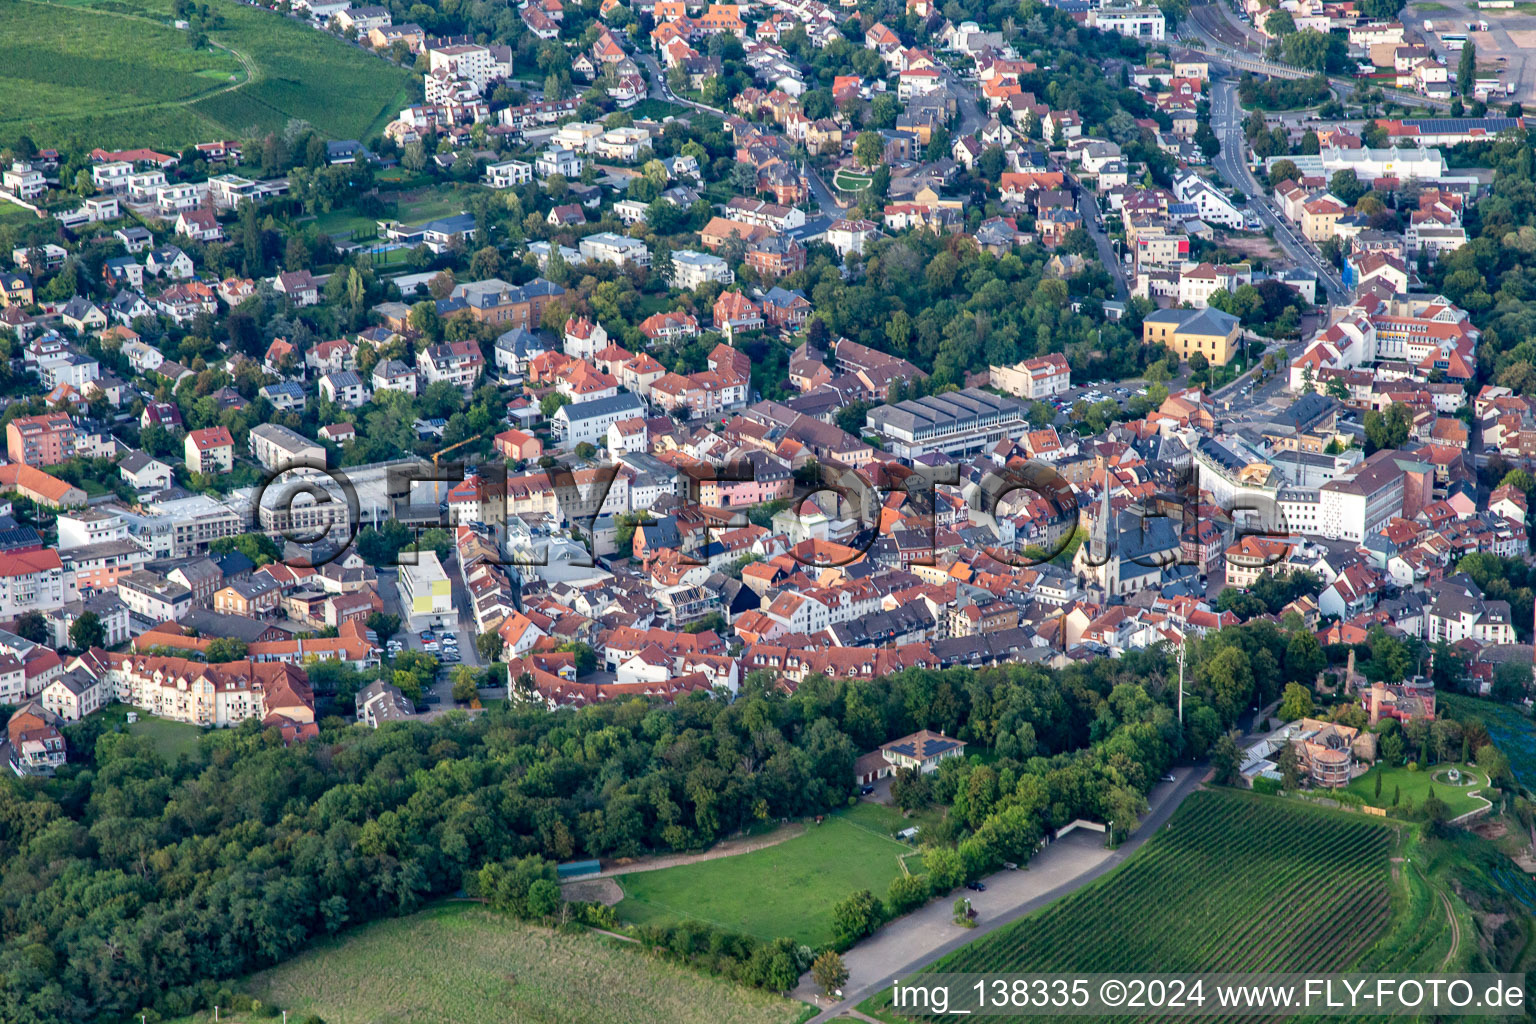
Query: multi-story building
{"points": [[459, 363], [33, 581], [494, 301], [43, 440], [154, 598], [210, 450], [277, 447], [426, 594], [1185, 332], [224, 694], [36, 744], [1138, 21], [607, 247], [1036, 378], [508, 173], [345, 388], [589, 421], [956, 423], [1458, 611], [691, 269]]}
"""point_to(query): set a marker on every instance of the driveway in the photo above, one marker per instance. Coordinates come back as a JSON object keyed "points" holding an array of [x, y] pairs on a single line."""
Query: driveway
{"points": [[923, 936]]}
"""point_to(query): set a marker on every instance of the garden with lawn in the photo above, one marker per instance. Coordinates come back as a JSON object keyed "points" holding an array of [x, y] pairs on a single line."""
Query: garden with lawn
{"points": [[788, 889], [1411, 787], [848, 180]]}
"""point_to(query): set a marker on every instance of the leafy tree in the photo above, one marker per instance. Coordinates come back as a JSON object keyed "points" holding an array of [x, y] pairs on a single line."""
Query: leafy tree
{"points": [[1279, 23], [1389, 429], [465, 689], [907, 893], [586, 657], [1296, 702], [1319, 51], [1466, 68], [867, 149], [258, 547], [384, 624], [1290, 767], [551, 403], [1226, 760], [32, 626], [911, 789], [1346, 184], [489, 645], [1304, 658], [87, 631], [829, 972], [856, 916], [222, 649], [944, 867]]}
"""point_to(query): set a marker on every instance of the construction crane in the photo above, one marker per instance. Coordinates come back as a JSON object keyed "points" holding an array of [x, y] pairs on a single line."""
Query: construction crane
{"points": [[437, 484]]}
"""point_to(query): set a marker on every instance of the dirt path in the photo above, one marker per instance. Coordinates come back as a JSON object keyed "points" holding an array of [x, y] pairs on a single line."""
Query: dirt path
{"points": [[727, 848], [1450, 913]]}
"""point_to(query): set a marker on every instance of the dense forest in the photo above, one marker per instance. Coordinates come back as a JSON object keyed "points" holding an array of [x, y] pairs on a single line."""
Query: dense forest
{"points": [[131, 882]]}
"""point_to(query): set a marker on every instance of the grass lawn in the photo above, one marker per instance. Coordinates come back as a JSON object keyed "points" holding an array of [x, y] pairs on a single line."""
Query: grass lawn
{"points": [[172, 739], [1415, 786], [337, 221], [850, 181], [659, 109], [115, 73], [788, 889], [443, 201], [459, 963], [10, 213]]}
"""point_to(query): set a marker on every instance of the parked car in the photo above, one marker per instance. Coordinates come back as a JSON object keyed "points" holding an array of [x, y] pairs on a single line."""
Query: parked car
{"points": [[976, 886]]}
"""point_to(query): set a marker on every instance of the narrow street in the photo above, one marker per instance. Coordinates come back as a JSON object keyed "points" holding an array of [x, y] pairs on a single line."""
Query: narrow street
{"points": [[1093, 223]]}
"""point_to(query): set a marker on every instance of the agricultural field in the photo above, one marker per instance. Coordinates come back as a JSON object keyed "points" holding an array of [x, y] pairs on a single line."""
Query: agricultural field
{"points": [[459, 962], [1415, 786], [784, 890], [1234, 882], [115, 73], [60, 65]]}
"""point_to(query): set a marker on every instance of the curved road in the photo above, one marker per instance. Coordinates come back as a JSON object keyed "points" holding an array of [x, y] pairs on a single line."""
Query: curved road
{"points": [[1215, 31], [1232, 163]]}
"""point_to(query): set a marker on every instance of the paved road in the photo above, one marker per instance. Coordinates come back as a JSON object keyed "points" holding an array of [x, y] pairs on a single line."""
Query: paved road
{"points": [[1232, 163], [1216, 31], [659, 89], [823, 196], [971, 116], [1088, 209], [918, 939]]}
